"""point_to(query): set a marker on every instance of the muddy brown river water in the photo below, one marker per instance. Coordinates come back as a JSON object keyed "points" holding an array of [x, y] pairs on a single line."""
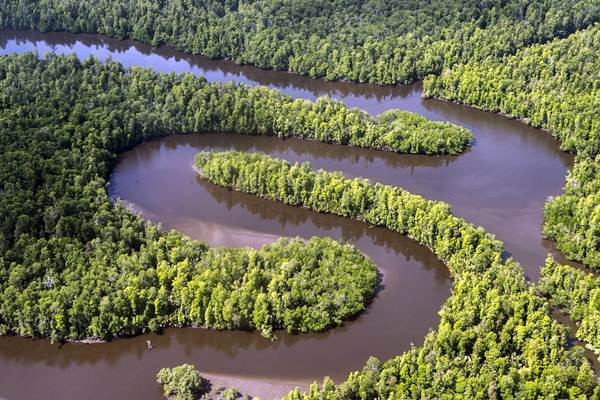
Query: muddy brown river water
{"points": [[501, 183]]}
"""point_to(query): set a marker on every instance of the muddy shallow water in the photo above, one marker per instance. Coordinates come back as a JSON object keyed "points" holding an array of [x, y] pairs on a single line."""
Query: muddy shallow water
{"points": [[501, 184]]}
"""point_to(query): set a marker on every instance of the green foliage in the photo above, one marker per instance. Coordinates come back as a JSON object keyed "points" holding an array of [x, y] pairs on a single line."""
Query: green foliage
{"points": [[180, 383], [495, 341], [385, 42], [578, 293], [495, 338], [231, 394], [139, 103], [573, 219], [555, 86], [74, 265], [460, 244]]}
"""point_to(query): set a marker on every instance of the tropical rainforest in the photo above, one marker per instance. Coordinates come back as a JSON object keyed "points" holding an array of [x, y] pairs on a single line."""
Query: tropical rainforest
{"points": [[495, 339], [555, 86], [578, 293], [573, 218], [463, 246], [73, 265], [376, 41]]}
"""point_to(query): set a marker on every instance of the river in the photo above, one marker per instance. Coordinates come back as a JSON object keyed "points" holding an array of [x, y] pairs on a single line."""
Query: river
{"points": [[501, 183]]}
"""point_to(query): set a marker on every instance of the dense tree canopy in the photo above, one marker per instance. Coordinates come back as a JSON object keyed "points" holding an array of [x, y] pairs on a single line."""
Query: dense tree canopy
{"points": [[578, 293], [555, 86], [460, 244], [145, 103], [112, 290], [495, 339], [384, 42], [573, 218], [180, 383], [74, 265]]}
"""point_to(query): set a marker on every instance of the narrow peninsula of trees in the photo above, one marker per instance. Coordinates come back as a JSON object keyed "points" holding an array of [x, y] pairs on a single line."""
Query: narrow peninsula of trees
{"points": [[463, 246], [145, 103], [495, 338], [385, 42], [555, 86], [74, 265], [578, 293]]}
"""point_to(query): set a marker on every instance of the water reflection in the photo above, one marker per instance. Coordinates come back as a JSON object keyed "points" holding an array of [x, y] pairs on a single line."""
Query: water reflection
{"points": [[165, 59]]}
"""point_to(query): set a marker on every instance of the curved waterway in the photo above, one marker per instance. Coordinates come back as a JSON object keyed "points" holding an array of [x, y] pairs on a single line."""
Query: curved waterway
{"points": [[501, 183]]}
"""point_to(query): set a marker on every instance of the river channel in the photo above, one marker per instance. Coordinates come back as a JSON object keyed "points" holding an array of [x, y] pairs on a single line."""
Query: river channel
{"points": [[501, 183]]}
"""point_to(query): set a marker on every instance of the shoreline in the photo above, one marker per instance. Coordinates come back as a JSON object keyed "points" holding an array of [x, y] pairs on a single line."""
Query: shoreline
{"points": [[511, 117], [264, 389], [254, 386]]}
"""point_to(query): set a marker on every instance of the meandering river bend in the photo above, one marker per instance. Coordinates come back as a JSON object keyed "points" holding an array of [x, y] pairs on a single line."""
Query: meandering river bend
{"points": [[501, 183]]}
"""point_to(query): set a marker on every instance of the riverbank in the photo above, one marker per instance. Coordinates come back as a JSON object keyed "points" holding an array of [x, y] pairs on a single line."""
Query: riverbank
{"points": [[263, 389], [500, 184]]}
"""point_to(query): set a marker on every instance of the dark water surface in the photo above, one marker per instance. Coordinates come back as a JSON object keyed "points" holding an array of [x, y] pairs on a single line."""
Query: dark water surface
{"points": [[501, 184]]}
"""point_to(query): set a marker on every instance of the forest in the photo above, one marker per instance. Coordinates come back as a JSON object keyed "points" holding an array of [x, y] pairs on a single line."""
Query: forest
{"points": [[573, 218], [554, 86], [384, 42], [557, 87], [495, 338], [578, 293], [172, 281], [74, 265], [147, 104], [461, 245]]}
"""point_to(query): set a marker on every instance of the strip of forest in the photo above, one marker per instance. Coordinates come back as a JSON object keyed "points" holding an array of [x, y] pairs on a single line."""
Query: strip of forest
{"points": [[383, 42]]}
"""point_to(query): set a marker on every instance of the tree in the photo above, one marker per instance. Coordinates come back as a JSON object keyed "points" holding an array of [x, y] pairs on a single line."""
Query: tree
{"points": [[181, 383]]}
